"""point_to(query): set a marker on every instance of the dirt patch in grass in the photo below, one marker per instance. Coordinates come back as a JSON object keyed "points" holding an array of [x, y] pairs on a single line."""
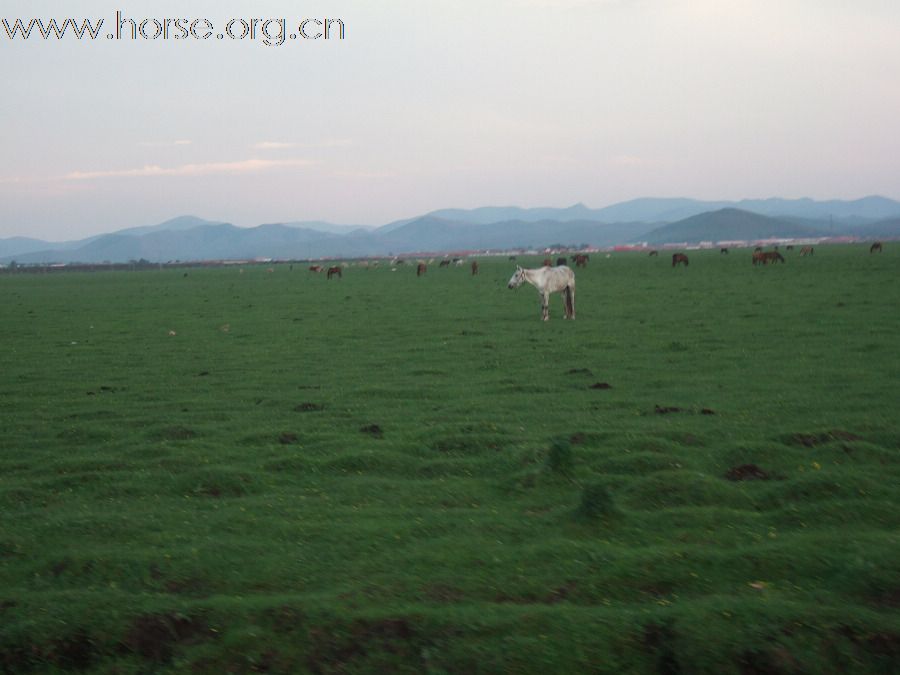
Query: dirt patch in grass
{"points": [[659, 639], [815, 439], [666, 409], [335, 651], [552, 597], [155, 637], [669, 409], [286, 619], [775, 661], [747, 472], [885, 644], [372, 430], [74, 651], [103, 389], [890, 597], [467, 445]]}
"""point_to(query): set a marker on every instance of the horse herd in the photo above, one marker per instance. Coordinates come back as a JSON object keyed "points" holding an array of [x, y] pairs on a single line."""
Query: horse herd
{"points": [[549, 279], [759, 256], [330, 272], [422, 268]]}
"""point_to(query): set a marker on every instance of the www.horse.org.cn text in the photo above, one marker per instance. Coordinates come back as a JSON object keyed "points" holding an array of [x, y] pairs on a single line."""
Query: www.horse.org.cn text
{"points": [[271, 32]]}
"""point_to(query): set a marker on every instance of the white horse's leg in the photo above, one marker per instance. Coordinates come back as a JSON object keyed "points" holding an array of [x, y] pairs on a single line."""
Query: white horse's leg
{"points": [[545, 306], [565, 299], [571, 302]]}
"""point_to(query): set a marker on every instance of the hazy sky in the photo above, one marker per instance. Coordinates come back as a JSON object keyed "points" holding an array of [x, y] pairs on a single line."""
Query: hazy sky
{"points": [[444, 103]]}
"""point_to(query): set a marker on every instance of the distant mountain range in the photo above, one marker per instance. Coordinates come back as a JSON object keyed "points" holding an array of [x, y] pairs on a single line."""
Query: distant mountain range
{"points": [[734, 224], [652, 220]]}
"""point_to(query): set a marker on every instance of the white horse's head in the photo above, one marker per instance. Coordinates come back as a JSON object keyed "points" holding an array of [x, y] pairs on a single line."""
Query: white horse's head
{"points": [[517, 279]]}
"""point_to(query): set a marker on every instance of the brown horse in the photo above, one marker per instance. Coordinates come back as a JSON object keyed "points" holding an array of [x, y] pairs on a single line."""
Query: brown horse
{"points": [[548, 262], [765, 257], [806, 250], [679, 258], [474, 267], [581, 260], [421, 268], [335, 270], [875, 247], [653, 253], [315, 268]]}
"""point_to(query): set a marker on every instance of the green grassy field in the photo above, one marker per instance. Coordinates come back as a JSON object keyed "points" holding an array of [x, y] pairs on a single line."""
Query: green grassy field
{"points": [[390, 474]]}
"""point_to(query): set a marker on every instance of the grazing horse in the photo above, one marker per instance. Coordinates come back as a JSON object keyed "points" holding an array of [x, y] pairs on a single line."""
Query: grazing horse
{"points": [[679, 258], [790, 247], [653, 253], [315, 268], [581, 261], [474, 267], [548, 280], [807, 250], [765, 257], [875, 247], [335, 270], [421, 268], [723, 251], [444, 263]]}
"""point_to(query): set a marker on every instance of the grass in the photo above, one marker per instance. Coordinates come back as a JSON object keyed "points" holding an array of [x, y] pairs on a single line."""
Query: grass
{"points": [[385, 473]]}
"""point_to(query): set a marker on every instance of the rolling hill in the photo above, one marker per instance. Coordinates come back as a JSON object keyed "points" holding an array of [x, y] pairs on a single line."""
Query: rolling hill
{"points": [[886, 229], [730, 224], [654, 220]]}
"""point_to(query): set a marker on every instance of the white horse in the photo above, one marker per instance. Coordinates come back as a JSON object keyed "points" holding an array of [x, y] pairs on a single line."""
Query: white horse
{"points": [[548, 280]]}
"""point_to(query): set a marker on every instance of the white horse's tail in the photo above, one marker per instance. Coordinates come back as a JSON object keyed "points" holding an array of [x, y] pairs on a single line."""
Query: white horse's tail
{"points": [[570, 302]]}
